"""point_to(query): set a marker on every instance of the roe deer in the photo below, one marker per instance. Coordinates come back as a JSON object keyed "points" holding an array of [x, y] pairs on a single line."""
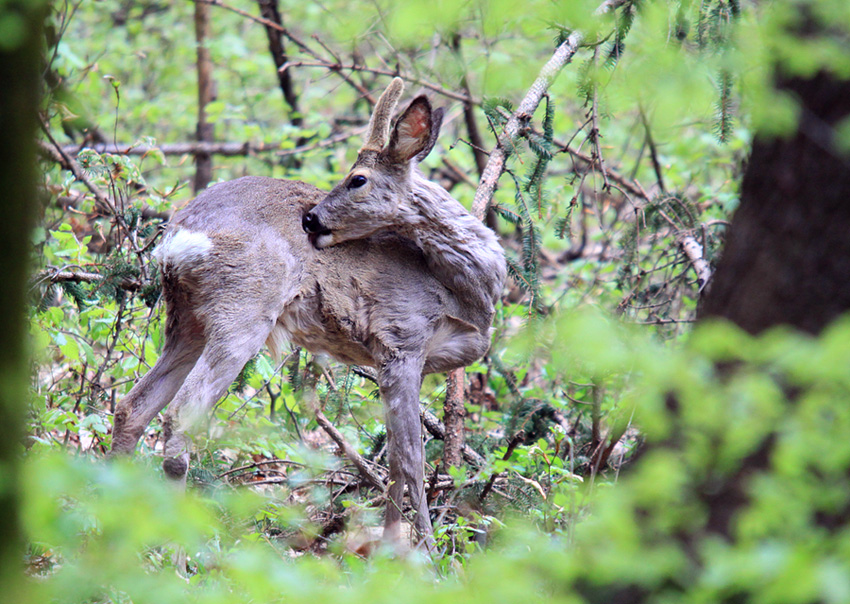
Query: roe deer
{"points": [[392, 273]]}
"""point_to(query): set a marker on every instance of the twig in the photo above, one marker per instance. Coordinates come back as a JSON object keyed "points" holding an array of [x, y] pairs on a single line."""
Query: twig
{"points": [[57, 153], [653, 152], [257, 464], [514, 442], [289, 35]]}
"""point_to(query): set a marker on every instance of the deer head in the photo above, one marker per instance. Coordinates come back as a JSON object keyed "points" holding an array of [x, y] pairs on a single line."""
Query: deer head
{"points": [[369, 198]]}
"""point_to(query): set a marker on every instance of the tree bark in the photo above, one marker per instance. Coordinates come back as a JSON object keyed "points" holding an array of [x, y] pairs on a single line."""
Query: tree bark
{"points": [[270, 11], [206, 94], [787, 257], [20, 72], [453, 416]]}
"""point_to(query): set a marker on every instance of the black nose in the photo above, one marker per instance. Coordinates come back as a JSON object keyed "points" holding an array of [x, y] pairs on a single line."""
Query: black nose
{"points": [[310, 223]]}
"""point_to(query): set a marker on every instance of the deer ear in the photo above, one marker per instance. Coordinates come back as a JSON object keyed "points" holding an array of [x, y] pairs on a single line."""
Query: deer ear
{"points": [[412, 132], [436, 122]]}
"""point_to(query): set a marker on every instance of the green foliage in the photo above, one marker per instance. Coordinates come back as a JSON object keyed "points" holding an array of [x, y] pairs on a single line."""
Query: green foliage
{"points": [[114, 532]]}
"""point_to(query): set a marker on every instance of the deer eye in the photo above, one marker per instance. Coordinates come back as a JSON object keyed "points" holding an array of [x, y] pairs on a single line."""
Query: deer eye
{"points": [[356, 181]]}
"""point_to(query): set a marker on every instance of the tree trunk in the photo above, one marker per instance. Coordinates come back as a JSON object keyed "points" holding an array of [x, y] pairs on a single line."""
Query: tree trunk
{"points": [[20, 71], [206, 94], [270, 10], [787, 257]]}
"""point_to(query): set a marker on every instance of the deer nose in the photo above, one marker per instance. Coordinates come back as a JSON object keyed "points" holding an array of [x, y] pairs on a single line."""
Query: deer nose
{"points": [[310, 223]]}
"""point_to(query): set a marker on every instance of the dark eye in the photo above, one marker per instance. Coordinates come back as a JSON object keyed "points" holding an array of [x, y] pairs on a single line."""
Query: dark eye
{"points": [[356, 181]]}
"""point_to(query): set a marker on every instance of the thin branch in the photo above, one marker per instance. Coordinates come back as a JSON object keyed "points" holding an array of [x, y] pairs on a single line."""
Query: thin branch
{"points": [[258, 464], [59, 276], [57, 154], [653, 152], [290, 36], [338, 67], [496, 163], [513, 444], [213, 148]]}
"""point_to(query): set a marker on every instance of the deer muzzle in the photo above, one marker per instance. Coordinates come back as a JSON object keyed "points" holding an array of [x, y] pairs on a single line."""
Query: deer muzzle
{"points": [[319, 235]]}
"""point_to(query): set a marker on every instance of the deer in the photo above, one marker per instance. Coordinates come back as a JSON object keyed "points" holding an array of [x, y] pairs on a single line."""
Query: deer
{"points": [[386, 271]]}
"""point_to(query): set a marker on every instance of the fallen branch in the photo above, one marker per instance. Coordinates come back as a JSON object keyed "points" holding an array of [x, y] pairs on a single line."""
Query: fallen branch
{"points": [[353, 456]]}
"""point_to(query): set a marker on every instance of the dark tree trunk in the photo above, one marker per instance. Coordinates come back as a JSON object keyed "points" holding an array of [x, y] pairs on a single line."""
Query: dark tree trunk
{"points": [[206, 94], [787, 258], [20, 70], [270, 11]]}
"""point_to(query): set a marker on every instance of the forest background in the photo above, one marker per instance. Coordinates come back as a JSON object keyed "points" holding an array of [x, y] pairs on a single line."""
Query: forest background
{"points": [[603, 450]]}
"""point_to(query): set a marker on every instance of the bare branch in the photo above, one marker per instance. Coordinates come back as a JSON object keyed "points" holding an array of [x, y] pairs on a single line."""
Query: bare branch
{"points": [[338, 67], [496, 162], [353, 456], [58, 276], [213, 148]]}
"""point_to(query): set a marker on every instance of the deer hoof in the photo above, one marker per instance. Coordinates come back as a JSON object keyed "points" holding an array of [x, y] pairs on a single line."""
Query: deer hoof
{"points": [[176, 468]]}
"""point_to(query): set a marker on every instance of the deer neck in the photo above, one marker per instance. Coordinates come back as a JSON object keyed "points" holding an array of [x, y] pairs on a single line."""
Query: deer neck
{"points": [[460, 251]]}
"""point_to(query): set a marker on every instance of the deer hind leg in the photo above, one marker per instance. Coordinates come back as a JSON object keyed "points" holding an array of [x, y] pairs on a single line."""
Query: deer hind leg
{"points": [[227, 350], [400, 383], [184, 342]]}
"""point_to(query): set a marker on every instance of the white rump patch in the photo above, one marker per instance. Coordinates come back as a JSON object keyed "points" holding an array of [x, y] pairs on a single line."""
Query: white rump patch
{"points": [[182, 248]]}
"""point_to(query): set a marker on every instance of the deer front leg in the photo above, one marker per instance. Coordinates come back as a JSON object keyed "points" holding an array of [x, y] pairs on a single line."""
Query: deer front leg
{"points": [[400, 380]]}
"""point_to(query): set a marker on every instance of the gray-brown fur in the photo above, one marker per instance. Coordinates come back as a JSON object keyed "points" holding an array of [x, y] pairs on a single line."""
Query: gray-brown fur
{"points": [[408, 296]]}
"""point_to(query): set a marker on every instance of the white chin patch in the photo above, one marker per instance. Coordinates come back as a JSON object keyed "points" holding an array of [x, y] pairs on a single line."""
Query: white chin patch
{"points": [[325, 240]]}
